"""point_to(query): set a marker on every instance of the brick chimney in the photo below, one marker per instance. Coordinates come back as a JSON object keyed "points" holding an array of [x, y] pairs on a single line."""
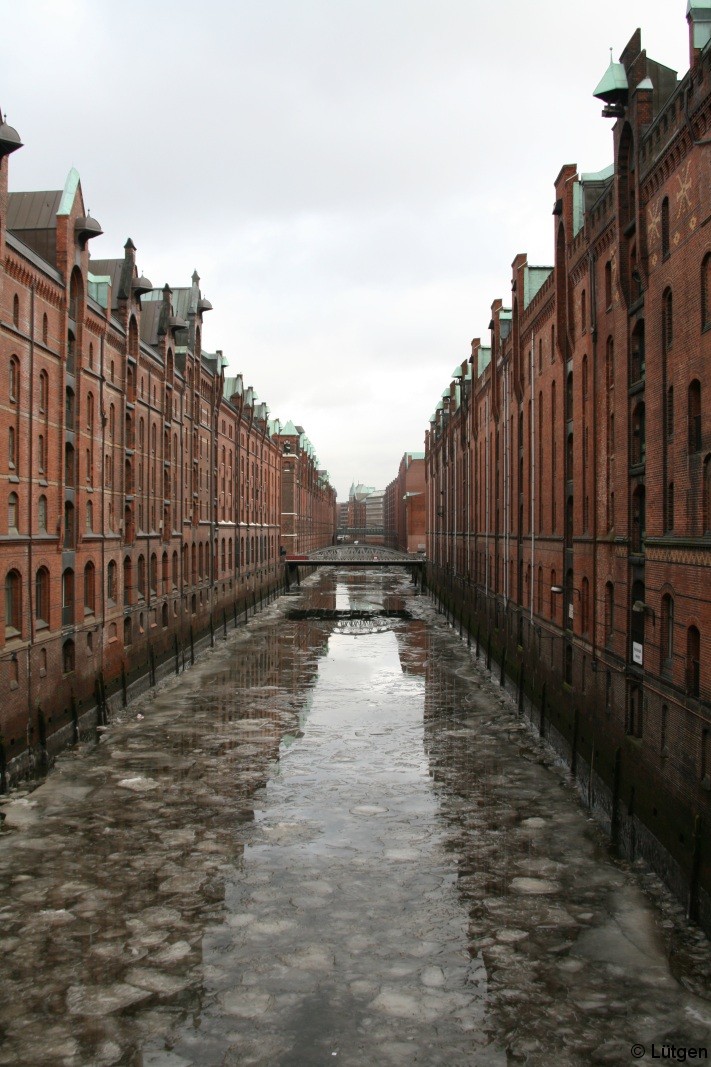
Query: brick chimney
{"points": [[698, 15]]}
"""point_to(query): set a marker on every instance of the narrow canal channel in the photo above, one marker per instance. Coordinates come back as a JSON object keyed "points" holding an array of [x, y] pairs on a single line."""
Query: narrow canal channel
{"points": [[331, 841]]}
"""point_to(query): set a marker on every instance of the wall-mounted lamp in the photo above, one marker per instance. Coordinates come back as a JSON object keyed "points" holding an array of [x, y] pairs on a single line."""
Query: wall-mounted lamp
{"points": [[560, 589], [640, 608]]}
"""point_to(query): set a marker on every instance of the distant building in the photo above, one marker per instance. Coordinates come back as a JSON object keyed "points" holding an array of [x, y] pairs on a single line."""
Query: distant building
{"points": [[404, 505]]}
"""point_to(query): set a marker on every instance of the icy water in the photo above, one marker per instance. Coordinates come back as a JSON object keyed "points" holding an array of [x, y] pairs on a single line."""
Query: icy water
{"points": [[332, 843]]}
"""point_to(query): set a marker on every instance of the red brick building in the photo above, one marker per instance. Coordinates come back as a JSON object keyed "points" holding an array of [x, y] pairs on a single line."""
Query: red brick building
{"points": [[308, 502], [404, 508], [541, 451], [142, 489]]}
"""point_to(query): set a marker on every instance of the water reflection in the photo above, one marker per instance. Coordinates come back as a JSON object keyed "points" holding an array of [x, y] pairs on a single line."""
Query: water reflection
{"points": [[318, 844]]}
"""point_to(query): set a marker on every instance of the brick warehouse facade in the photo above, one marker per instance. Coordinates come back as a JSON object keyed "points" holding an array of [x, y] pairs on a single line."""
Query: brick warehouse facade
{"points": [[568, 471], [404, 507], [142, 488]]}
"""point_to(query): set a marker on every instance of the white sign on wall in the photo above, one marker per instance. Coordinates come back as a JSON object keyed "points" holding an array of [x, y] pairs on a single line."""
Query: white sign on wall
{"points": [[637, 652]]}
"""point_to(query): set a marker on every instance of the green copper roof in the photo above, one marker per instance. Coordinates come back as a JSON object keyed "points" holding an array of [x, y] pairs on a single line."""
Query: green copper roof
{"points": [[99, 288], [534, 279], [70, 191], [484, 360], [613, 80], [290, 430]]}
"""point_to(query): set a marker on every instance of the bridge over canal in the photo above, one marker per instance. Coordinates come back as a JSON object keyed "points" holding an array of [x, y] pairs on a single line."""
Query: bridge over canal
{"points": [[356, 556]]}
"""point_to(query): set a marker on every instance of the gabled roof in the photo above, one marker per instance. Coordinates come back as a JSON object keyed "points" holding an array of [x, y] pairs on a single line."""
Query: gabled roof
{"points": [[33, 211]]}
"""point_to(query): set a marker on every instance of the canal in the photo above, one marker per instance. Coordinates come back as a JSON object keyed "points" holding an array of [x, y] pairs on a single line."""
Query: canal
{"points": [[333, 840]]}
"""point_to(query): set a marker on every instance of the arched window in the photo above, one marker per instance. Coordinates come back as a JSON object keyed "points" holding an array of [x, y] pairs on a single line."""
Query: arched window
{"points": [[12, 512], [42, 514], [68, 597], [68, 524], [11, 448], [68, 658], [694, 406], [693, 661], [667, 319], [707, 495], [569, 395], [13, 604], [14, 383], [45, 328], [154, 573], [637, 354], [175, 570], [71, 352], [666, 634], [127, 630], [42, 597], [638, 443], [16, 311], [164, 615], [69, 463], [89, 516], [43, 390], [608, 284], [111, 580], [665, 227], [638, 518], [706, 292], [127, 580], [165, 573], [141, 577], [69, 409], [89, 589]]}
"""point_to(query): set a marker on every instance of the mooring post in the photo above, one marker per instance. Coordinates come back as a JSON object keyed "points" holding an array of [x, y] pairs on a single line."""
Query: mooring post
{"points": [[192, 646], [542, 721], [176, 651], [520, 688], [488, 652], [224, 622], [502, 678]]}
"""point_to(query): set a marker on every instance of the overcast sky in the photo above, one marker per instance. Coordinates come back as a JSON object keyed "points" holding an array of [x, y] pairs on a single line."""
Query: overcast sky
{"points": [[350, 178]]}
